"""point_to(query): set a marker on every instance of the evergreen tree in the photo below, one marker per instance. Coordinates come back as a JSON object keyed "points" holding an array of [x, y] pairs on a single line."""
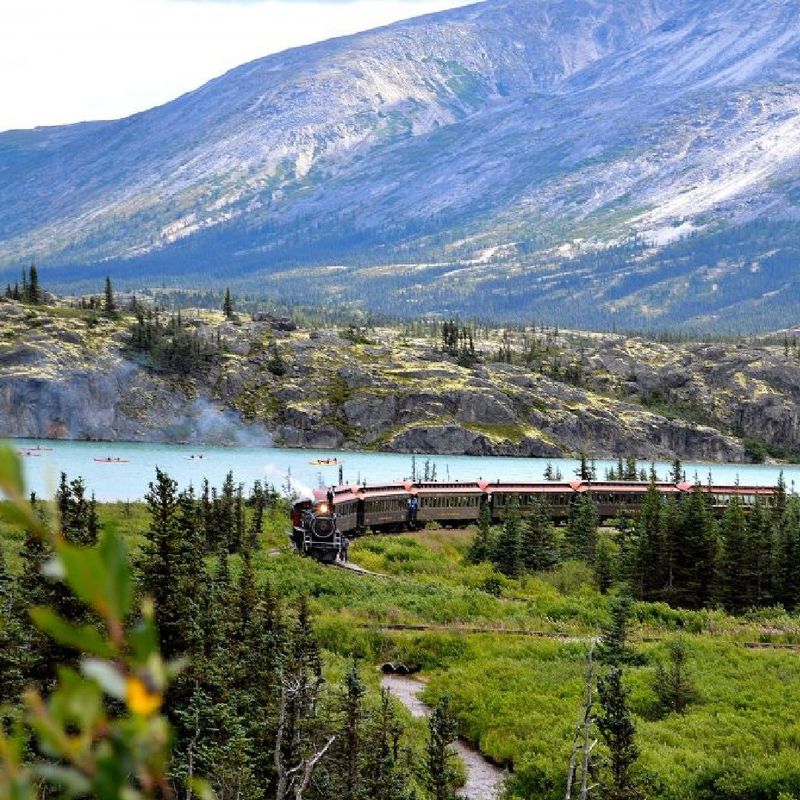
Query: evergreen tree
{"points": [[694, 551], [761, 538], [734, 578], [348, 755], [673, 683], [581, 537], [539, 546], [618, 732], [650, 568], [788, 556], [171, 565], [604, 567], [614, 648], [227, 305], [676, 473], [383, 777], [109, 306], [507, 554], [276, 365], [442, 731], [482, 546], [34, 295], [583, 472], [258, 502]]}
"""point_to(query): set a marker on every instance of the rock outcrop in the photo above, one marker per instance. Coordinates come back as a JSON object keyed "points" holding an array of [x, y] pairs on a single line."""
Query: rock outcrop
{"points": [[67, 375]]}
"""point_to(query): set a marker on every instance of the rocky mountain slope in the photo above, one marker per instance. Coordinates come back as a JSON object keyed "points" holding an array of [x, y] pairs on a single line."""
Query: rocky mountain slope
{"points": [[502, 158], [71, 374]]}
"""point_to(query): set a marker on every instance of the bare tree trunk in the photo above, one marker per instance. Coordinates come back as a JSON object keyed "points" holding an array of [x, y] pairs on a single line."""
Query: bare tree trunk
{"points": [[582, 742], [304, 770], [283, 778]]}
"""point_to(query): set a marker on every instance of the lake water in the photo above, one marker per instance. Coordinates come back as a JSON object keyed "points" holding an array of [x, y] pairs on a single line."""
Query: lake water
{"points": [[129, 481]]}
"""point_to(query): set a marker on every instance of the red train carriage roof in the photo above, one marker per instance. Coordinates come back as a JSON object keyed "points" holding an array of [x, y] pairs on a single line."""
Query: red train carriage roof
{"points": [[739, 490], [447, 488], [627, 487], [529, 488]]}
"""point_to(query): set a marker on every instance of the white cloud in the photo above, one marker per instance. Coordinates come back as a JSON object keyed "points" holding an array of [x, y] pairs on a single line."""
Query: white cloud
{"points": [[65, 61]]}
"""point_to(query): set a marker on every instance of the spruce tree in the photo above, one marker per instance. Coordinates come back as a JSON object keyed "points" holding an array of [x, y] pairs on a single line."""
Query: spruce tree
{"points": [[171, 565], [539, 545], [442, 731], [650, 568], [788, 556], [507, 555], [481, 547], [604, 567], [673, 683], [618, 732], [761, 538], [227, 305], [694, 552], [348, 755], [580, 541], [383, 778], [34, 292], [734, 571], [614, 648], [109, 306]]}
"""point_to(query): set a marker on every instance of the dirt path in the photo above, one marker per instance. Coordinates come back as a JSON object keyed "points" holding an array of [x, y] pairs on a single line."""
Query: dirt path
{"points": [[484, 780]]}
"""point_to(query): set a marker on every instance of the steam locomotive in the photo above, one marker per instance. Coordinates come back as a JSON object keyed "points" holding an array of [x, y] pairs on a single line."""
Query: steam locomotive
{"points": [[315, 532], [320, 527]]}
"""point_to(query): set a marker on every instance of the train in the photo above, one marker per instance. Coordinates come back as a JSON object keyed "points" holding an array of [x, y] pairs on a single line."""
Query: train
{"points": [[322, 526]]}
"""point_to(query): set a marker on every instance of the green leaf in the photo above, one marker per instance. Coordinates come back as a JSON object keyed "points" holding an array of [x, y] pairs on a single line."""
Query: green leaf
{"points": [[115, 558], [74, 784], [111, 680], [86, 575], [84, 637], [100, 576], [143, 639], [11, 480], [21, 516]]}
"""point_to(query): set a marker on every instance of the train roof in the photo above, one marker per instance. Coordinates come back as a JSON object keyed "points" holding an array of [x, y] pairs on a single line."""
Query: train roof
{"points": [[626, 487], [721, 489], [529, 488], [452, 487], [343, 494]]}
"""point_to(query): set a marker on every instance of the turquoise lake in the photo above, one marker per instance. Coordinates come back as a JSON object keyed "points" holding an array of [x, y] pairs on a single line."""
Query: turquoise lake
{"points": [[129, 481]]}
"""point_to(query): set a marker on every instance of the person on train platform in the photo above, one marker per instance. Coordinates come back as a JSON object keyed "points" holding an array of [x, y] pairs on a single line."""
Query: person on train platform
{"points": [[413, 508]]}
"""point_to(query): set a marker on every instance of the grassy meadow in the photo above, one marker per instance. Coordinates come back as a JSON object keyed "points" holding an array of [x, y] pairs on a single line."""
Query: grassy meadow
{"points": [[517, 697]]}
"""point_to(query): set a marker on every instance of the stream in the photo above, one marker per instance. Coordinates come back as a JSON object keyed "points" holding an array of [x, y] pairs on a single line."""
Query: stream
{"points": [[484, 780]]}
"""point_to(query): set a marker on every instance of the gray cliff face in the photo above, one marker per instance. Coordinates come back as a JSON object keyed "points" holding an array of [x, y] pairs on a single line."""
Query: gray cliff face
{"points": [[67, 375], [545, 157], [58, 380]]}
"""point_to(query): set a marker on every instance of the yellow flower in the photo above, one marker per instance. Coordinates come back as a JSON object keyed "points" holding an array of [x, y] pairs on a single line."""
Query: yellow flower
{"points": [[140, 699]]}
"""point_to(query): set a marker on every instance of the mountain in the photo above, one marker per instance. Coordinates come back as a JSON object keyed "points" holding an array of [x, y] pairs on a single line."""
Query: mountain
{"points": [[594, 162]]}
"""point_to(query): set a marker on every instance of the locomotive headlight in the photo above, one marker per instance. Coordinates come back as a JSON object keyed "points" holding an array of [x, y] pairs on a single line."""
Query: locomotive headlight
{"points": [[323, 508]]}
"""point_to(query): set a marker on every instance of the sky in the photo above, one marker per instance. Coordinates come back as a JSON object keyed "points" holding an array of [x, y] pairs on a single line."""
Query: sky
{"points": [[65, 61]]}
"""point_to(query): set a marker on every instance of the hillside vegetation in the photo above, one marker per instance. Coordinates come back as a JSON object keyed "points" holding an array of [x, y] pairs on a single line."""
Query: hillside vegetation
{"points": [[509, 652], [431, 387]]}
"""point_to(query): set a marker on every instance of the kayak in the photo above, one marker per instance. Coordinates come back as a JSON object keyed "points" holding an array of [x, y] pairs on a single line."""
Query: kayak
{"points": [[326, 462], [111, 460]]}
